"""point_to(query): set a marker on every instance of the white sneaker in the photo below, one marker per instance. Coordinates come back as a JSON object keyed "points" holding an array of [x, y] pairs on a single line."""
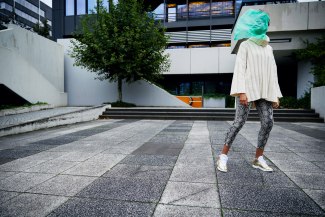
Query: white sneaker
{"points": [[222, 163], [260, 163]]}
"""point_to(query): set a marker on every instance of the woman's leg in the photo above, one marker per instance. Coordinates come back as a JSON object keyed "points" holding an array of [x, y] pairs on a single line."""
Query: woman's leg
{"points": [[265, 112], [240, 119]]}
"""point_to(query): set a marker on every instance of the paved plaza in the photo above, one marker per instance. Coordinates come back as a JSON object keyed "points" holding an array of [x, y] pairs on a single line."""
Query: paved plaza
{"points": [[161, 168]]}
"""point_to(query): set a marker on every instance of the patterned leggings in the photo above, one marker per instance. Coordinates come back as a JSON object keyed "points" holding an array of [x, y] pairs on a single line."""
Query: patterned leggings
{"points": [[265, 112]]}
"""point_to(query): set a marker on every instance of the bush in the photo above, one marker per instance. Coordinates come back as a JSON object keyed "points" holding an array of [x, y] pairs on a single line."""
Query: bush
{"points": [[230, 101], [293, 103]]}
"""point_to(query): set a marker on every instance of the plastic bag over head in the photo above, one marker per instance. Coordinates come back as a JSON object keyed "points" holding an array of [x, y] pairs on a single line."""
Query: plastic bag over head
{"points": [[253, 23]]}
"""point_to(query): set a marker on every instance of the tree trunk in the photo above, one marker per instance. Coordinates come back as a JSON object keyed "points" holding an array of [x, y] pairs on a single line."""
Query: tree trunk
{"points": [[119, 88]]}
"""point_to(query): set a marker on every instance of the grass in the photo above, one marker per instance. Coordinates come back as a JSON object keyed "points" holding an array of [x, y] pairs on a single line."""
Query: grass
{"points": [[27, 105]]}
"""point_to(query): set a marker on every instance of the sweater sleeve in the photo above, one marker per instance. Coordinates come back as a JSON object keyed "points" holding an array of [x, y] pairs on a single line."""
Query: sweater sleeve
{"points": [[277, 86], [238, 80]]}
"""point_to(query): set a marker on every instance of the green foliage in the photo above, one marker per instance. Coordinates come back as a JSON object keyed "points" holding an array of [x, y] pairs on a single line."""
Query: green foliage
{"points": [[293, 103], [315, 52], [123, 43], [27, 105], [230, 101], [43, 31]]}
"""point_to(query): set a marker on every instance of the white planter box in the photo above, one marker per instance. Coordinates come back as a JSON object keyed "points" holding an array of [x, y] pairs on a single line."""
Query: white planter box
{"points": [[214, 102], [318, 100]]}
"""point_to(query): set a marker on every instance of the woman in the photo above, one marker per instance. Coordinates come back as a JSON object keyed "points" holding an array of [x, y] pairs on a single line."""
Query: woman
{"points": [[254, 83]]}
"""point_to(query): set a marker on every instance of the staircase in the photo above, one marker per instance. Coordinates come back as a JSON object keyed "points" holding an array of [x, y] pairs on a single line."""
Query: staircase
{"points": [[283, 115]]}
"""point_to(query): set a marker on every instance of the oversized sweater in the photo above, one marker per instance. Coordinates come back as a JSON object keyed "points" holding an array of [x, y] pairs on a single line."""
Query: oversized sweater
{"points": [[255, 73]]}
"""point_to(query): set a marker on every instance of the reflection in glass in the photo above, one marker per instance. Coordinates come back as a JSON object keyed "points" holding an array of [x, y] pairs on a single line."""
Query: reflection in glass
{"points": [[69, 7], [181, 12], [159, 12], [81, 7], [92, 4], [199, 9], [222, 8]]}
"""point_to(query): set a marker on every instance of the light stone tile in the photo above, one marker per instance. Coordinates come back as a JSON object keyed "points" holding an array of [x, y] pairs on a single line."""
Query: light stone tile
{"points": [[45, 155], [181, 211], [6, 195], [183, 172], [110, 159], [20, 165], [195, 161], [90, 168], [4, 175], [63, 185], [31, 205], [54, 166], [317, 195], [23, 181], [77, 156], [191, 194]]}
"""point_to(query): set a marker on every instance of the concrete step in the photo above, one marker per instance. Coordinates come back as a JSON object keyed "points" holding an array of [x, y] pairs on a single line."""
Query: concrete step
{"points": [[290, 115]]}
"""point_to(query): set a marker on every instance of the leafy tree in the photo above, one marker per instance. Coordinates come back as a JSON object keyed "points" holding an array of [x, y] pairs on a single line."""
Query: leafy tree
{"points": [[315, 52], [121, 43], [42, 30]]}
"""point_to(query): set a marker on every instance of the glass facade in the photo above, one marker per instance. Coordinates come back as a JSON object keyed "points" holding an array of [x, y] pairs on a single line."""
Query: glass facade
{"points": [[69, 7], [204, 9], [30, 7], [81, 7], [92, 4]]}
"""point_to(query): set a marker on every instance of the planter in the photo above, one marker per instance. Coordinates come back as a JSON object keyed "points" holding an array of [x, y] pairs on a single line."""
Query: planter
{"points": [[317, 100], [214, 102]]}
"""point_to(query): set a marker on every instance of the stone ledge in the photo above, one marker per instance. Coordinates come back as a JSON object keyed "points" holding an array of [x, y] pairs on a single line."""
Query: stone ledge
{"points": [[24, 109]]}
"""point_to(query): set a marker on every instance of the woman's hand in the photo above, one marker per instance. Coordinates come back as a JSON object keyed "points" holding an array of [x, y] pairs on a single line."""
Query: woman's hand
{"points": [[243, 99], [276, 104]]}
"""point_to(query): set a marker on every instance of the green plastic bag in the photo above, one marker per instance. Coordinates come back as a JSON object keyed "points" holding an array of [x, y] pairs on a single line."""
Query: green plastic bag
{"points": [[253, 23]]}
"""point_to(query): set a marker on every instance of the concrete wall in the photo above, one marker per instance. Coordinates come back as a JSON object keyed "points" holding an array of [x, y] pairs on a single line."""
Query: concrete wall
{"points": [[304, 78], [201, 60], [83, 89], [317, 100], [32, 66]]}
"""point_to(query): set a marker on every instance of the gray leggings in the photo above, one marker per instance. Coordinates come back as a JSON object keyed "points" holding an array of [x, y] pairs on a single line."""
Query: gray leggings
{"points": [[265, 112]]}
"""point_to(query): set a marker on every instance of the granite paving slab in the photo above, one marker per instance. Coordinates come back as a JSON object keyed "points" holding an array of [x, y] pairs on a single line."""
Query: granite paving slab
{"points": [[53, 167], [89, 168], [23, 181], [62, 185], [317, 195], [308, 180], [184, 172], [188, 211], [32, 205], [126, 189], [20, 165], [258, 198], [85, 207], [243, 213], [160, 173], [151, 160], [4, 175], [297, 166], [191, 194], [7, 195]]}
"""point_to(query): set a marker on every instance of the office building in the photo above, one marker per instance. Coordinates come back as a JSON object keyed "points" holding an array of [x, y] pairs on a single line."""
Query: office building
{"points": [[26, 13]]}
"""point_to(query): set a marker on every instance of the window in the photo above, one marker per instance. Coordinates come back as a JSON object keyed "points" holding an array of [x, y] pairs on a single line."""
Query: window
{"points": [[92, 4], [30, 6], [81, 7], [69, 7]]}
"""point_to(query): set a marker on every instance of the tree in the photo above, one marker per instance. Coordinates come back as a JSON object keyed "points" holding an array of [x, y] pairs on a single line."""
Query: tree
{"points": [[315, 52], [42, 30], [122, 43]]}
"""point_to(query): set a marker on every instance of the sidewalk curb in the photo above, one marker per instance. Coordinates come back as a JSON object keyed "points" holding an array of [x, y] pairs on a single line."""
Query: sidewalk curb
{"points": [[83, 115]]}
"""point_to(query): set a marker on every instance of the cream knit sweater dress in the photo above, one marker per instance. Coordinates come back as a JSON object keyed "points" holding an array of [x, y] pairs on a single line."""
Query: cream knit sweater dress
{"points": [[255, 73]]}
